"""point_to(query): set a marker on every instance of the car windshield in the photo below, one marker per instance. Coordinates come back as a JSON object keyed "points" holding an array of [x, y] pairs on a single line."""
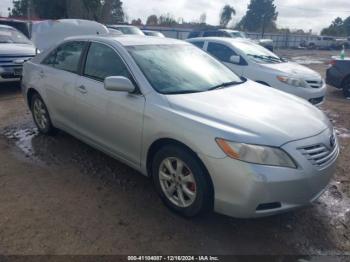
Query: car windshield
{"points": [[258, 53], [237, 34], [129, 30], [9, 35], [179, 69]]}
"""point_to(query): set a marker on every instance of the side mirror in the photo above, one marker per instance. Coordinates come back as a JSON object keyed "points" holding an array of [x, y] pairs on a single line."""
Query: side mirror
{"points": [[119, 84], [235, 59]]}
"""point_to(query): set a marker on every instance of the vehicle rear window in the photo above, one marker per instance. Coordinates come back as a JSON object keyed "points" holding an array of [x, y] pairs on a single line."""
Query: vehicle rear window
{"points": [[66, 57], [199, 44]]}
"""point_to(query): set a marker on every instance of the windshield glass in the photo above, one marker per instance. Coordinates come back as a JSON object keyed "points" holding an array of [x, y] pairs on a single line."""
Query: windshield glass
{"points": [[9, 35], [258, 53], [130, 30], [237, 34], [176, 69]]}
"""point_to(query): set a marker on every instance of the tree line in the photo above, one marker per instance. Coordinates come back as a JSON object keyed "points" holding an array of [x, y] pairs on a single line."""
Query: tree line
{"points": [[104, 11], [261, 14], [338, 27]]}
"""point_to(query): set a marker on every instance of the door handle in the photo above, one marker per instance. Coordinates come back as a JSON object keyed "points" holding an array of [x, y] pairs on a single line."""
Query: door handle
{"points": [[82, 89], [41, 74]]}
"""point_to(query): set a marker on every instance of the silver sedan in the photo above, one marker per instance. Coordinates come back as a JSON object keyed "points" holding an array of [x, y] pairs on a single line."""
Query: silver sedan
{"points": [[209, 139]]}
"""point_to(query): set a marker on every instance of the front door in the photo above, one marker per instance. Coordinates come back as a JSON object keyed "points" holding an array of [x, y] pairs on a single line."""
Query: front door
{"points": [[112, 120]]}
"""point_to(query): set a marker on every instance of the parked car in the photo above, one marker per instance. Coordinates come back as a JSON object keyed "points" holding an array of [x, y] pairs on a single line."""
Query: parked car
{"points": [[321, 42], [209, 139], [15, 49], [255, 62], [127, 29], [22, 26], [50, 32], [338, 75], [153, 33], [267, 43]]}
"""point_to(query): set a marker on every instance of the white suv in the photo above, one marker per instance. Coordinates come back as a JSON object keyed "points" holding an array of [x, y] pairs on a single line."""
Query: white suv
{"points": [[255, 62]]}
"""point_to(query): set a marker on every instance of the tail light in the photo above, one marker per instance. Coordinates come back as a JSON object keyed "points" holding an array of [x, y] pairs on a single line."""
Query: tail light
{"points": [[332, 62]]}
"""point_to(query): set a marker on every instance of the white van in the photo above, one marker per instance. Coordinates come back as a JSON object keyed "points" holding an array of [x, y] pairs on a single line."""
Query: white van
{"points": [[49, 32]]}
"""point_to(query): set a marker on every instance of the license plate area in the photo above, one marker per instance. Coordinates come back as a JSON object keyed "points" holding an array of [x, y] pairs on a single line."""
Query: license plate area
{"points": [[17, 71]]}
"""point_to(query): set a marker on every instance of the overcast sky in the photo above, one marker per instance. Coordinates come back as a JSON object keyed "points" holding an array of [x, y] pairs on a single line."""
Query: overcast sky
{"points": [[295, 14]]}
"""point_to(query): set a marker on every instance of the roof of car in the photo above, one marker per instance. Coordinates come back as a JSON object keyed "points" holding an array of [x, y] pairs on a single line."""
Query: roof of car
{"points": [[130, 40], [221, 39], [121, 26]]}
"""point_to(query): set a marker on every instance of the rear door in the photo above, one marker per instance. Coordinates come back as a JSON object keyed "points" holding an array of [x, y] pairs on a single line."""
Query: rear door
{"points": [[224, 53], [110, 120], [59, 75]]}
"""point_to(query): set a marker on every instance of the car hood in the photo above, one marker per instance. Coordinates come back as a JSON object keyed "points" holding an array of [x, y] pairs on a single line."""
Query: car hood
{"points": [[17, 49], [252, 113], [294, 69]]}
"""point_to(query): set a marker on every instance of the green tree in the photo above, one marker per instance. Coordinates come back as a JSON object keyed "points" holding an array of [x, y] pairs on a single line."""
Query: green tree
{"points": [[337, 28], [104, 11], [136, 22], [152, 20], [261, 15], [53, 9], [226, 15], [167, 20]]}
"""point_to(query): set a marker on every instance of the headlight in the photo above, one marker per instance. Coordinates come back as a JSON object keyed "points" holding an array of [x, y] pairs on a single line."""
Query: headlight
{"points": [[292, 81], [261, 155]]}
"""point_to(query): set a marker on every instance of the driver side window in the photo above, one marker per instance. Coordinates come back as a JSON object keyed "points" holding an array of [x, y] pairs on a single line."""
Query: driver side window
{"points": [[221, 52], [102, 61]]}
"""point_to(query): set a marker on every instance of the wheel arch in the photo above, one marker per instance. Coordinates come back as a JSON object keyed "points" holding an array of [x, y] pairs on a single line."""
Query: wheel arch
{"points": [[30, 93], [263, 83], [159, 143]]}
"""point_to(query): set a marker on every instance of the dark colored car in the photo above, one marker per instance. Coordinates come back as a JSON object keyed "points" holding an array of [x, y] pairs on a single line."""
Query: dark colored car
{"points": [[338, 75], [22, 26]]}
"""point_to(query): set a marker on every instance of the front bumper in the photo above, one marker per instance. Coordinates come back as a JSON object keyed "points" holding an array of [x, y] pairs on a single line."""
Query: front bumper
{"points": [[315, 96], [247, 190], [10, 74]]}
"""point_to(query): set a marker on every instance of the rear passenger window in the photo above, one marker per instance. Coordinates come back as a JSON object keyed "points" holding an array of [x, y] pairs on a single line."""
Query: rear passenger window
{"points": [[67, 56], [221, 52], [102, 61], [211, 33], [199, 44]]}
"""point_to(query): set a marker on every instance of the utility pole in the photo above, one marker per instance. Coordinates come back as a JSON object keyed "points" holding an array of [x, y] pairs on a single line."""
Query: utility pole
{"points": [[29, 7], [263, 26]]}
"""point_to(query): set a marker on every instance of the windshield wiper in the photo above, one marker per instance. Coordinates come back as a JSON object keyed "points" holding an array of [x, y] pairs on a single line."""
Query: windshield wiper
{"points": [[182, 92], [223, 85], [267, 58]]}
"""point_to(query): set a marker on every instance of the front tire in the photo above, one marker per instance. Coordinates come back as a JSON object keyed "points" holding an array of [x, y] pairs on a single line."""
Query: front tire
{"points": [[41, 115], [181, 181]]}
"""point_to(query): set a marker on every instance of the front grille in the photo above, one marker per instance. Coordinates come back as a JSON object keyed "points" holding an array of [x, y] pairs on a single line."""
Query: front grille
{"points": [[320, 155], [9, 60], [316, 101], [315, 83]]}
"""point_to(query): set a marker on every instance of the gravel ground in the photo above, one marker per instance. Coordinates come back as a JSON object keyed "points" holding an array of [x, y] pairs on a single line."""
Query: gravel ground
{"points": [[60, 196]]}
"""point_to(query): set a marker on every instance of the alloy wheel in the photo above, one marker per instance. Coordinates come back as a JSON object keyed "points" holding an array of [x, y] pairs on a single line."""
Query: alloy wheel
{"points": [[177, 182], [40, 114]]}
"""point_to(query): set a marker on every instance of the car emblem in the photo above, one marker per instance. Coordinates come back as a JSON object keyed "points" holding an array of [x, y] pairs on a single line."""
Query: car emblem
{"points": [[19, 61], [332, 141]]}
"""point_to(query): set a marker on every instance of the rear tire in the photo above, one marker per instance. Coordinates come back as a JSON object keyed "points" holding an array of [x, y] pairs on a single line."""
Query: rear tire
{"points": [[181, 181], [41, 115], [346, 88]]}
